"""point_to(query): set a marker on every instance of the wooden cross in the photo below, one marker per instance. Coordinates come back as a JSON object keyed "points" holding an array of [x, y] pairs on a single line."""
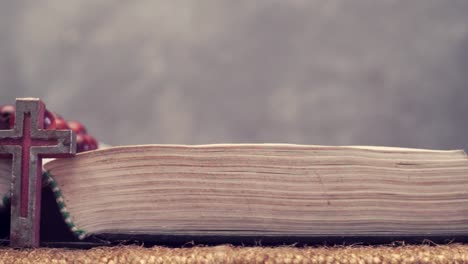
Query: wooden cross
{"points": [[27, 143]]}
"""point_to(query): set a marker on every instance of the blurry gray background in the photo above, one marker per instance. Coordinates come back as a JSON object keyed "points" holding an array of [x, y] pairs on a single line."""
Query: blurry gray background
{"points": [[195, 72]]}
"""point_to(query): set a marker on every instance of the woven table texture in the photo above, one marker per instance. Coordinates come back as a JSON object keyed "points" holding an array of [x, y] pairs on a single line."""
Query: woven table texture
{"points": [[454, 253]]}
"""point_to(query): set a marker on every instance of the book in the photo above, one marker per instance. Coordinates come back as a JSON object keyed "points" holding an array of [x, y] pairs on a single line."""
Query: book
{"points": [[268, 190]]}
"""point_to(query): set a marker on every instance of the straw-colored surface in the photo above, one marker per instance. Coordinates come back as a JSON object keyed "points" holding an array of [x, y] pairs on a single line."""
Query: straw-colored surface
{"points": [[227, 254]]}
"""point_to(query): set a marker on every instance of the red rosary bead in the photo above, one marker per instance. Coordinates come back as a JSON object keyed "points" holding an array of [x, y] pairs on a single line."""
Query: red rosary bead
{"points": [[49, 120], [60, 123], [7, 116], [91, 142], [85, 142], [77, 127]]}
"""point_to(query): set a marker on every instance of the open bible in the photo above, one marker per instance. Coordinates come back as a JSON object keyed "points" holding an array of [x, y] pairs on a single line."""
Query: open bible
{"points": [[260, 190]]}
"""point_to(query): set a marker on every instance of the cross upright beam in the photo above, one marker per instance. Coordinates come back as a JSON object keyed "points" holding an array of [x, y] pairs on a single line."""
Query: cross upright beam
{"points": [[26, 144]]}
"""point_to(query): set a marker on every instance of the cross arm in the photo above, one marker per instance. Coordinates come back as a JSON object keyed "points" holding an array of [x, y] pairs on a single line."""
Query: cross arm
{"points": [[66, 143]]}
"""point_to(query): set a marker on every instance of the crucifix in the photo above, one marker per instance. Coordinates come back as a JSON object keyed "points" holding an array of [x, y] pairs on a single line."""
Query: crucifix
{"points": [[26, 144]]}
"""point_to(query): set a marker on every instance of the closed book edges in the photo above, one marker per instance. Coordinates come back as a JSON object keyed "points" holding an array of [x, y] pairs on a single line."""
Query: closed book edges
{"points": [[260, 190]]}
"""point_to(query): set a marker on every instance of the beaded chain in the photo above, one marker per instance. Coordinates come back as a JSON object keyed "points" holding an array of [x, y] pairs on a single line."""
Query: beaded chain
{"points": [[53, 121]]}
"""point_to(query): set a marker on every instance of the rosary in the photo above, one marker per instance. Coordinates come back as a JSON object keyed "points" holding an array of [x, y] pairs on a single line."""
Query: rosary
{"points": [[52, 121]]}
